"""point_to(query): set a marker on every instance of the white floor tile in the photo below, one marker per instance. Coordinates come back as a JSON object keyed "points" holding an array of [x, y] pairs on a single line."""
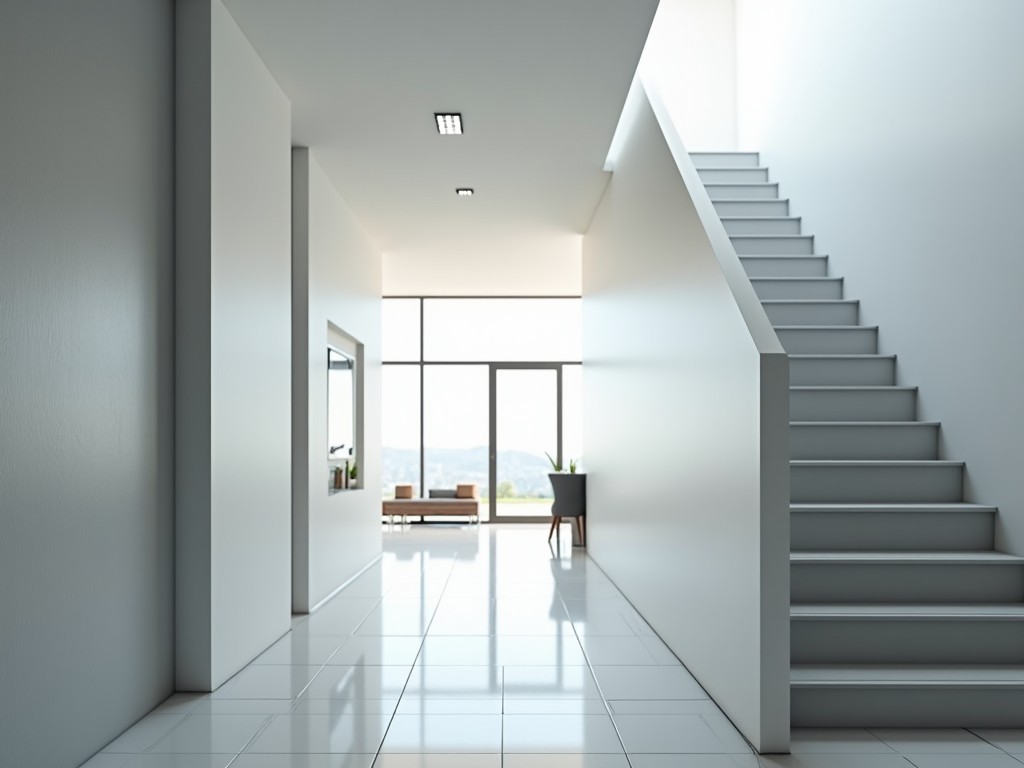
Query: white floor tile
{"points": [[832, 740], [617, 651], [344, 707], [933, 741], [1009, 739], [502, 650], [144, 733], [301, 649], [438, 761], [444, 734], [999, 760], [624, 682], [179, 761], [106, 761], [466, 682], [303, 761], [267, 682], [694, 761], [358, 682], [377, 651], [565, 761], [835, 761], [425, 704], [321, 734], [674, 734], [543, 734], [550, 682], [211, 734], [554, 706], [242, 707]]}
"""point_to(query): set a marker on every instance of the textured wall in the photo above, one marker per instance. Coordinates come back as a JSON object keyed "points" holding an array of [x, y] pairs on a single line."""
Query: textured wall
{"points": [[86, 380]]}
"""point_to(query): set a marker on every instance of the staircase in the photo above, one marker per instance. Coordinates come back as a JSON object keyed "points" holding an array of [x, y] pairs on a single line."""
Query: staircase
{"points": [[903, 614]]}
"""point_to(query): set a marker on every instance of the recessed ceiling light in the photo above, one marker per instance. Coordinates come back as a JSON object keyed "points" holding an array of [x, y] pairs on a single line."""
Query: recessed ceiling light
{"points": [[464, 192], [449, 123]]}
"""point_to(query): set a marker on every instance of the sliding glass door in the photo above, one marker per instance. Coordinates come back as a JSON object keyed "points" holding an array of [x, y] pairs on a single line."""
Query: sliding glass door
{"points": [[525, 430]]}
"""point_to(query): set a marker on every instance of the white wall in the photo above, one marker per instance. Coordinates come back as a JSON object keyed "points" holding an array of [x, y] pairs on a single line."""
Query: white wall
{"points": [[336, 278], [896, 128], [86, 378], [691, 56], [544, 266], [233, 350], [685, 398]]}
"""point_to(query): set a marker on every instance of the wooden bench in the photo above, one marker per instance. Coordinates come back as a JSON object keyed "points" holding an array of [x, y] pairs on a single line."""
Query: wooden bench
{"points": [[393, 508]]}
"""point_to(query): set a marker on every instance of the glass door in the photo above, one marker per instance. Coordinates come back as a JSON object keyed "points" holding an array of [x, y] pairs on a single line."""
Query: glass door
{"points": [[525, 426]]}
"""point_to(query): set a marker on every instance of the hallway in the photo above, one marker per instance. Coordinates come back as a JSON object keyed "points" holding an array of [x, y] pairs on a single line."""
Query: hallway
{"points": [[470, 647]]}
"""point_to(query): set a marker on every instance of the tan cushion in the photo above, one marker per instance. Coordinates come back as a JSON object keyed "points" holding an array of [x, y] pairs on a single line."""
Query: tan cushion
{"points": [[403, 491], [467, 491]]}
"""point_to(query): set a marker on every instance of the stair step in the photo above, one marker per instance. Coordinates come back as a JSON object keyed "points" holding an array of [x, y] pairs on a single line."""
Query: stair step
{"points": [[790, 288], [738, 207], [907, 634], [773, 245], [908, 696], [868, 440], [906, 577], [842, 370], [858, 403], [762, 191], [809, 311], [733, 175], [895, 527], [851, 482], [828, 339], [725, 159], [785, 266], [761, 225]]}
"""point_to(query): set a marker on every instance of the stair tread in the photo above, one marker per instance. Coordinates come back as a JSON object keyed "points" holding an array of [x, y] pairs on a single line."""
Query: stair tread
{"points": [[907, 424], [759, 218], [848, 387], [832, 356], [733, 168], [788, 256], [877, 462], [825, 327], [799, 301], [953, 507], [774, 236], [990, 557], [778, 279], [753, 199], [903, 675], [912, 611]]}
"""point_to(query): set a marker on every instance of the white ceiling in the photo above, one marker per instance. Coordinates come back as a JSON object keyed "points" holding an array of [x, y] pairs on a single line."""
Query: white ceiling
{"points": [[540, 85]]}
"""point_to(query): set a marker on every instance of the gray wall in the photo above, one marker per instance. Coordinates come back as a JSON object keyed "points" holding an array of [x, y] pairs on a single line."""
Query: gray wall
{"points": [[233, 350], [86, 381], [336, 279], [685, 385], [896, 128]]}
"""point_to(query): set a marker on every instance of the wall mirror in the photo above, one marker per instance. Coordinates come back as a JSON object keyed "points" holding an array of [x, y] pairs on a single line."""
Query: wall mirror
{"points": [[341, 419]]}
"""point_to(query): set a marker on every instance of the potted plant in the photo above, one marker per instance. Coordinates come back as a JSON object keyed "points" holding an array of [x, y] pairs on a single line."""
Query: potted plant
{"points": [[570, 489]]}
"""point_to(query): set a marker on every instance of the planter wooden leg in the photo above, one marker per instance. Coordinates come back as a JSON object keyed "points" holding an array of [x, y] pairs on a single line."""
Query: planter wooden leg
{"points": [[554, 523], [579, 527]]}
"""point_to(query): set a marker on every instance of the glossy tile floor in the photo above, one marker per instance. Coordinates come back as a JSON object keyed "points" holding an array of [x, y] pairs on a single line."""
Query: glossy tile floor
{"points": [[471, 647]]}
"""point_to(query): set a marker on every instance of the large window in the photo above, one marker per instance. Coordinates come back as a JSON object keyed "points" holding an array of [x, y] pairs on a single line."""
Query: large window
{"points": [[479, 390]]}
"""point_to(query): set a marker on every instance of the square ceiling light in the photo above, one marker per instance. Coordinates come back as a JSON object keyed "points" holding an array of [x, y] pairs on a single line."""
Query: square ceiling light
{"points": [[449, 123], [464, 191]]}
